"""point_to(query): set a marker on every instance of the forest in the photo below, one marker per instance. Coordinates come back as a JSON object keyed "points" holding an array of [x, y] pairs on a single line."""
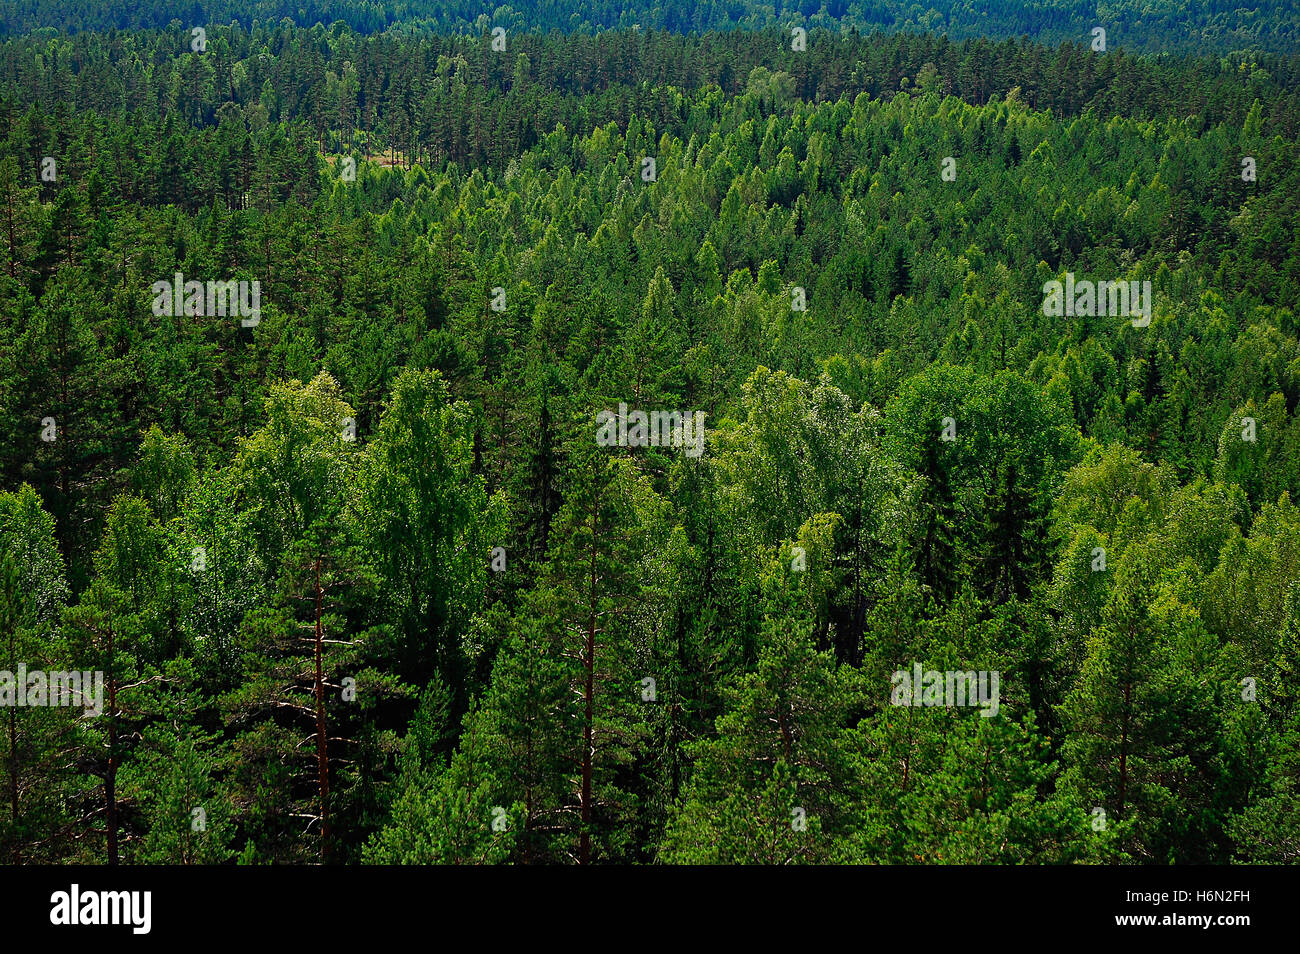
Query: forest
{"points": [[380, 568], [1146, 25]]}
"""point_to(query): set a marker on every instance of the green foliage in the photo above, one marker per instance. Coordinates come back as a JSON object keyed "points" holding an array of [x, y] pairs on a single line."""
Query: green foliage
{"points": [[365, 587]]}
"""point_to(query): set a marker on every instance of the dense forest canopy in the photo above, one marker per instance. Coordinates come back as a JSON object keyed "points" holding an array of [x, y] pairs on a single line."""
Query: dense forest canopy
{"points": [[366, 581], [1149, 26]]}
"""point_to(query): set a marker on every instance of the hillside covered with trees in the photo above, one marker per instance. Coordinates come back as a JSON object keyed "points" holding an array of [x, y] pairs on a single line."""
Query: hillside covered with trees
{"points": [[1190, 26], [367, 587]]}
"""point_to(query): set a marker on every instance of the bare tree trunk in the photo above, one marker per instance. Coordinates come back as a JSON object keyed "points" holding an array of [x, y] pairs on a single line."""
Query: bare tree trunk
{"points": [[13, 748], [110, 777], [589, 695], [13, 250], [13, 763], [322, 755], [1123, 750]]}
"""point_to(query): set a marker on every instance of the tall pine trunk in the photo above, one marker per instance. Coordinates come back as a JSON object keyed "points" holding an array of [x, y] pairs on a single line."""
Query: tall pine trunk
{"points": [[589, 694], [322, 755], [13, 744], [110, 776]]}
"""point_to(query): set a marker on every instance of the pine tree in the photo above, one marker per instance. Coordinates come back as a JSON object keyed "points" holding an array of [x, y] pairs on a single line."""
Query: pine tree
{"points": [[773, 786]]}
